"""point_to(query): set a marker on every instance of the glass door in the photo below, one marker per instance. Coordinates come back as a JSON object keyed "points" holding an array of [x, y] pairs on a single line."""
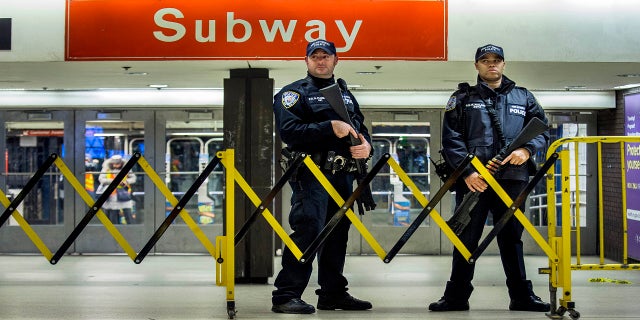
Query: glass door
{"points": [[190, 140], [106, 141], [407, 137], [28, 139]]}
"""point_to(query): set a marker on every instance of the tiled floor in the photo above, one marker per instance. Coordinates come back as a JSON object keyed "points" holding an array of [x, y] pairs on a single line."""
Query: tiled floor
{"points": [[183, 287]]}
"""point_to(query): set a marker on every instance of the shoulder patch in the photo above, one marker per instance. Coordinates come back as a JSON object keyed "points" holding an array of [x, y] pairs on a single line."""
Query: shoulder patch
{"points": [[290, 98], [451, 104]]}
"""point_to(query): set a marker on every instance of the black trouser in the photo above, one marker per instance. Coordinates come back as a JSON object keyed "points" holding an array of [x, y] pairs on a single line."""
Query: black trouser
{"points": [[311, 209], [459, 287], [114, 215]]}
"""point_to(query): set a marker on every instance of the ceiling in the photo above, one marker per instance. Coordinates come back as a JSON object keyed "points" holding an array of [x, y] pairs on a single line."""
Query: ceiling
{"points": [[366, 75]]}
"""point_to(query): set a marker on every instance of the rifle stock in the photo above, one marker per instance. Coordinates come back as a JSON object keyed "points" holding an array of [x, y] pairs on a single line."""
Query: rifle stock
{"points": [[461, 216]]}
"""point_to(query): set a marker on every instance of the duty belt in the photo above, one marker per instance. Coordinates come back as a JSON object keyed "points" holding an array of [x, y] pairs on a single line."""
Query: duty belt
{"points": [[330, 161]]}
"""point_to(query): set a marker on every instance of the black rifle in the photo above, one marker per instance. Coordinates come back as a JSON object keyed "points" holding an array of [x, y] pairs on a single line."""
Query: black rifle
{"points": [[428, 208], [461, 217], [499, 225], [334, 96]]}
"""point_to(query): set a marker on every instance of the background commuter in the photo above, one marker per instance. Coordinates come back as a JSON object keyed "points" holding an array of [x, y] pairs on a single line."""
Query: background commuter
{"points": [[119, 205]]}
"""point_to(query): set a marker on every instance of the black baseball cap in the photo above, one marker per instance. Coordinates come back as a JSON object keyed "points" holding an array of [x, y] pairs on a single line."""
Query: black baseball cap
{"points": [[325, 45], [489, 48]]}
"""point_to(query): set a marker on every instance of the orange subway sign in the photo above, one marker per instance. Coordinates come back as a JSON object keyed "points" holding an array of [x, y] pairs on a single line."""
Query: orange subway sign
{"points": [[260, 30]]}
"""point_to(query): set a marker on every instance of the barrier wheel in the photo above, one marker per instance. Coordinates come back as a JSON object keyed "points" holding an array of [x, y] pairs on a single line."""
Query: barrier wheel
{"points": [[561, 310], [231, 309], [574, 314]]}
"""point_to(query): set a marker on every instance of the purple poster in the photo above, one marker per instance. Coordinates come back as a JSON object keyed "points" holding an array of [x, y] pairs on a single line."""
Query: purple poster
{"points": [[632, 174]]}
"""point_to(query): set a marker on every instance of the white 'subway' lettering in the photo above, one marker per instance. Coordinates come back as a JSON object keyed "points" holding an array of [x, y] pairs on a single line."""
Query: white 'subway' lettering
{"points": [[240, 30]]}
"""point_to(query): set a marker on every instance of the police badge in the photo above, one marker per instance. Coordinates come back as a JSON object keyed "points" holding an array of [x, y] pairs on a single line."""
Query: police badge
{"points": [[451, 104], [290, 98]]}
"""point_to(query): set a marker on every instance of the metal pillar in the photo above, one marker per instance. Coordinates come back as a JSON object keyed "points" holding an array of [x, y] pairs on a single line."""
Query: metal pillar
{"points": [[248, 128]]}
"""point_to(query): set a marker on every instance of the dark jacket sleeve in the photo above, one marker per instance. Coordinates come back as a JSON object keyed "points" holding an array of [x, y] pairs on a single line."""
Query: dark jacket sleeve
{"points": [[454, 148]]}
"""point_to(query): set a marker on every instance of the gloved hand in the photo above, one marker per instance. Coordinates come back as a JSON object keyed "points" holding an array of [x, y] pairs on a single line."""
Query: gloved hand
{"points": [[494, 165]]}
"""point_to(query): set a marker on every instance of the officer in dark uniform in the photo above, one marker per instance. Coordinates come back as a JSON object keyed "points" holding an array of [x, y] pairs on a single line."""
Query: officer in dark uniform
{"points": [[307, 123], [481, 120]]}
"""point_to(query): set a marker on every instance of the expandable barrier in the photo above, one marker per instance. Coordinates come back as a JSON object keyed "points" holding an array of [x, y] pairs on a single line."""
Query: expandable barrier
{"points": [[560, 238], [345, 208], [429, 209], [95, 208], [223, 253], [558, 248]]}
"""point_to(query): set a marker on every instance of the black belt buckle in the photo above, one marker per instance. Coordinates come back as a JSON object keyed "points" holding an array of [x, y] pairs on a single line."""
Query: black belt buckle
{"points": [[317, 159]]}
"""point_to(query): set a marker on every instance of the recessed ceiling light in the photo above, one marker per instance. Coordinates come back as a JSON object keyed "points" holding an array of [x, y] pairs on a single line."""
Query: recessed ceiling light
{"points": [[158, 86], [629, 75], [627, 86], [137, 73]]}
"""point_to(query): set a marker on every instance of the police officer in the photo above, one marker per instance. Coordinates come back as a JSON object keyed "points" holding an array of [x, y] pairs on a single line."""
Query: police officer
{"points": [[480, 120], [307, 123]]}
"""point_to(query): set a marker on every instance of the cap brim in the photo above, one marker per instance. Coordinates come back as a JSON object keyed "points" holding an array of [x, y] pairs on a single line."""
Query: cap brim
{"points": [[480, 57], [323, 49]]}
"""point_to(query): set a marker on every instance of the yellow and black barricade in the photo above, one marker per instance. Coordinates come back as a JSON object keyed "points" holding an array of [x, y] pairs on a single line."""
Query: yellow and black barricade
{"points": [[565, 237], [177, 209], [557, 246]]}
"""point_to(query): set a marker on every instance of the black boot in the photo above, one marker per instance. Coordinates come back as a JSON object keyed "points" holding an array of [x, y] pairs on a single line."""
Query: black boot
{"points": [[444, 305], [456, 297], [295, 306], [523, 298], [531, 303], [347, 302]]}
